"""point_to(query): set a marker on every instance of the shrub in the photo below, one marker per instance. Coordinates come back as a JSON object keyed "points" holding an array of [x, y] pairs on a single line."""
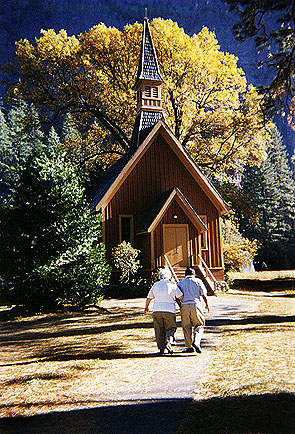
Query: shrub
{"points": [[238, 251], [125, 259]]}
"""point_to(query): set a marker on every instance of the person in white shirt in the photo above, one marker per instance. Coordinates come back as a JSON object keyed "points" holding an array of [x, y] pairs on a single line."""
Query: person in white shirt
{"points": [[164, 293], [192, 315]]}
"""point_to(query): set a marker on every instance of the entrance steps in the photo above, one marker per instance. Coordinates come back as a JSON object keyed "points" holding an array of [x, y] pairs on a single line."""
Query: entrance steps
{"points": [[180, 272], [200, 273]]}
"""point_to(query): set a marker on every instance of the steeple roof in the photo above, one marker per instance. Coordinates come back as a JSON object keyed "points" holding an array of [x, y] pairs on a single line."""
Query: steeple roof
{"points": [[148, 68], [144, 123], [148, 86]]}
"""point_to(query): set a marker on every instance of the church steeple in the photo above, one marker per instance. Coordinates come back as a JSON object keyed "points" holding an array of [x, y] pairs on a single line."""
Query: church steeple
{"points": [[149, 80], [148, 88]]}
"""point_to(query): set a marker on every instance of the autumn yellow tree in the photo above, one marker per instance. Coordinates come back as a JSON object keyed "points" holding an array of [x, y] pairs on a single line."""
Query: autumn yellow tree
{"points": [[208, 104]]}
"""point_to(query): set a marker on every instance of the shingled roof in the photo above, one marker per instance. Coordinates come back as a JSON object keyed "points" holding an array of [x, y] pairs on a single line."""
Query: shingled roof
{"points": [[106, 181], [144, 123], [148, 67]]}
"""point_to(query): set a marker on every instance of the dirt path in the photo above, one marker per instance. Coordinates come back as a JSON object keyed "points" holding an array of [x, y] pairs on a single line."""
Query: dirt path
{"points": [[99, 372]]}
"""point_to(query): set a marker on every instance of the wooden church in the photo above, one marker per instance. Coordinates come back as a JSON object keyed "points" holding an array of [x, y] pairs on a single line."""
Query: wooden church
{"points": [[156, 197]]}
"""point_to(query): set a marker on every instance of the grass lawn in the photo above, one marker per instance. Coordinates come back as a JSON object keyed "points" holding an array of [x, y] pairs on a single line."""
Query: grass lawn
{"points": [[249, 384], [66, 361]]}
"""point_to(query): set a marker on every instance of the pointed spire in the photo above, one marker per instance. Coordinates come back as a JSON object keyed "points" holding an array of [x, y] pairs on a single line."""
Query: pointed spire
{"points": [[149, 80], [148, 67], [148, 87]]}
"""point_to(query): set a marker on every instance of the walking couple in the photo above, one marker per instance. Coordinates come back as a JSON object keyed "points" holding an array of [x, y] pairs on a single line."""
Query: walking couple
{"points": [[187, 294]]}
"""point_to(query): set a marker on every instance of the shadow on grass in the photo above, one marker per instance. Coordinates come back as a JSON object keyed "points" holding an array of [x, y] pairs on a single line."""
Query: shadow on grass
{"points": [[25, 342], [150, 417], [27, 378], [108, 354], [256, 414], [14, 334], [264, 319]]}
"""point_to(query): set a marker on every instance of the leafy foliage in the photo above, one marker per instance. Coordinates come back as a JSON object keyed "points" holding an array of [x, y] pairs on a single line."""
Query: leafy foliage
{"points": [[208, 103], [238, 202], [6, 159], [278, 45], [50, 254], [125, 259], [239, 252]]}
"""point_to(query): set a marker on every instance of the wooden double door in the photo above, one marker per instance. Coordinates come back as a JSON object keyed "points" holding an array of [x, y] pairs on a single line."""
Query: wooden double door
{"points": [[176, 244]]}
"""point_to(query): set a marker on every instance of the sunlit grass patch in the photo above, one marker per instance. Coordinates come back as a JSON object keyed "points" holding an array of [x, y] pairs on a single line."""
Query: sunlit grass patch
{"points": [[254, 358], [249, 385], [268, 275]]}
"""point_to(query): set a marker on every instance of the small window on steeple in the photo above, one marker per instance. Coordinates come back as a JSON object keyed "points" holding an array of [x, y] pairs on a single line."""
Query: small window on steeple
{"points": [[155, 92], [148, 91]]}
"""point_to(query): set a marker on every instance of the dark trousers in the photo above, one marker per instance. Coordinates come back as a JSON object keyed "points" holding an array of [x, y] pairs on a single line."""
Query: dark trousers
{"points": [[165, 327]]}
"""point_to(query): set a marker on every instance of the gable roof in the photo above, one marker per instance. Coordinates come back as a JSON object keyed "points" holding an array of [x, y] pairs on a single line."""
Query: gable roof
{"points": [[155, 214], [115, 176], [148, 68]]}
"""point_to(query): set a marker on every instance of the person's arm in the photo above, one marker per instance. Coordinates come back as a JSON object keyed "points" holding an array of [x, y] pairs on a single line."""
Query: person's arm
{"points": [[178, 296], [206, 302], [179, 300], [147, 303]]}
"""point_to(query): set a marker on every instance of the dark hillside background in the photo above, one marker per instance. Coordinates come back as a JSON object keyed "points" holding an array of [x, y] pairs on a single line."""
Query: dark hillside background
{"points": [[25, 18]]}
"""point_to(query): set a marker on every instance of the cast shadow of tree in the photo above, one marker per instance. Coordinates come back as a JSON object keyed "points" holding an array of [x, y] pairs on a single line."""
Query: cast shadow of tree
{"points": [[256, 414], [61, 337]]}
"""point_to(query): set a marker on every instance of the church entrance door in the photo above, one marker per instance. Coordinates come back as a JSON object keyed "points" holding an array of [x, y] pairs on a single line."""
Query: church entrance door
{"points": [[175, 239]]}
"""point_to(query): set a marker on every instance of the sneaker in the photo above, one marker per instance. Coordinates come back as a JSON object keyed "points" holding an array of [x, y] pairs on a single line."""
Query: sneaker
{"points": [[161, 353], [197, 348], [169, 348], [188, 350]]}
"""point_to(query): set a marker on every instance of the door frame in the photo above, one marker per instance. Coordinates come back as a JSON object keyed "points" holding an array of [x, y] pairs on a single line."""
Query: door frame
{"points": [[183, 225]]}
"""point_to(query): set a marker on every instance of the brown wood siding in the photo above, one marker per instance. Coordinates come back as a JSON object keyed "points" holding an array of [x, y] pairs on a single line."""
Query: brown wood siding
{"points": [[157, 171], [215, 252], [206, 256], [144, 245]]}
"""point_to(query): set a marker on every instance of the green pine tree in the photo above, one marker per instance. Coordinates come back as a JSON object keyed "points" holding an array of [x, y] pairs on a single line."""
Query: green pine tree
{"points": [[73, 143], [272, 191], [69, 129], [50, 254], [25, 131], [20, 132], [7, 168], [53, 139]]}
